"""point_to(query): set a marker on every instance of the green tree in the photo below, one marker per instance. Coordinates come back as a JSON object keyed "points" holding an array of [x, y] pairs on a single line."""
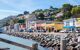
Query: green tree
{"points": [[66, 11], [21, 21], [19, 15], [26, 12], [52, 17], [40, 16], [75, 10], [15, 20], [66, 15], [66, 7], [37, 11]]}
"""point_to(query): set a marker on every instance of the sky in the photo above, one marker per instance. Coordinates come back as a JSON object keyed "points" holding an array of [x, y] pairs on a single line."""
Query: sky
{"points": [[14, 7]]}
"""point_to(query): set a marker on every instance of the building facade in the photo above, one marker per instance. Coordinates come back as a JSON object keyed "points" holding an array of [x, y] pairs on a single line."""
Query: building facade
{"points": [[70, 24]]}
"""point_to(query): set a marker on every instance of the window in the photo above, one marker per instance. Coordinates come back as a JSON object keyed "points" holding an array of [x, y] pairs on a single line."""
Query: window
{"points": [[67, 23]]}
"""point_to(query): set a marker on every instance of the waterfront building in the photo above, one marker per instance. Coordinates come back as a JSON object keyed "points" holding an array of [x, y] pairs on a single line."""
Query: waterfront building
{"points": [[30, 21], [77, 22], [69, 24], [16, 27], [22, 25], [49, 26]]}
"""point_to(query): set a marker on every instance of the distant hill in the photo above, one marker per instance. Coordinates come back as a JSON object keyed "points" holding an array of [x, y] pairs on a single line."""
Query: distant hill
{"points": [[3, 21]]}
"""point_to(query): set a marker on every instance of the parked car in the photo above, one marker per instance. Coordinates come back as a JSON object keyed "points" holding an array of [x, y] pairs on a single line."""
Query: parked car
{"points": [[21, 30], [41, 31], [63, 31], [30, 30]]}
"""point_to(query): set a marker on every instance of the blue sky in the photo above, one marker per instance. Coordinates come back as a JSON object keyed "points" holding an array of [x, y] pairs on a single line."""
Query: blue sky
{"points": [[14, 7]]}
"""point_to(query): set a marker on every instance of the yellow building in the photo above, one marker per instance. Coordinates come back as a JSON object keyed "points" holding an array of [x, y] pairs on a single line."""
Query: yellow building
{"points": [[58, 26], [54, 26], [50, 27]]}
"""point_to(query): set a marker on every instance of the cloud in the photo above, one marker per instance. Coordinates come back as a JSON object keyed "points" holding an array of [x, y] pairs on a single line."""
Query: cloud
{"points": [[18, 3], [5, 13]]}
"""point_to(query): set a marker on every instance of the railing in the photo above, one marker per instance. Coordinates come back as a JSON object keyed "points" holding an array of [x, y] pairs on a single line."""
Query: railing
{"points": [[34, 46]]}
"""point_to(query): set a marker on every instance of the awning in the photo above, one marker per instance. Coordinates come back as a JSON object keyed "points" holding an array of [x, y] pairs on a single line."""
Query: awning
{"points": [[69, 26]]}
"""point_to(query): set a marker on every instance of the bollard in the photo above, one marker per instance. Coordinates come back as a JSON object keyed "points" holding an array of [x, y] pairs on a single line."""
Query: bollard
{"points": [[63, 45], [35, 46]]}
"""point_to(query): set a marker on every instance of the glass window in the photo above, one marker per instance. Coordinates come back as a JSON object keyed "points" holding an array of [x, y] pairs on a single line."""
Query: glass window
{"points": [[67, 23]]}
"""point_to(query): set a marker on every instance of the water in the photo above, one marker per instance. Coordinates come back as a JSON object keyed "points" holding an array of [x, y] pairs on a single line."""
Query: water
{"points": [[26, 42], [12, 47]]}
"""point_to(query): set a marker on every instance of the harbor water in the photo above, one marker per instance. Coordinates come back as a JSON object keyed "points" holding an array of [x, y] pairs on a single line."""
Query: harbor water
{"points": [[27, 42]]}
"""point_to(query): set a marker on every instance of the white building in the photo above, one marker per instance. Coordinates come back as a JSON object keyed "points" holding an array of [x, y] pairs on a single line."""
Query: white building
{"points": [[70, 24], [30, 21], [16, 27]]}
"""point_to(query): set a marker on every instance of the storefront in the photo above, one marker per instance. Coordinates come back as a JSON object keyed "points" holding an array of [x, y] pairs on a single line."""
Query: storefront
{"points": [[22, 27], [40, 26], [50, 27], [16, 27]]}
